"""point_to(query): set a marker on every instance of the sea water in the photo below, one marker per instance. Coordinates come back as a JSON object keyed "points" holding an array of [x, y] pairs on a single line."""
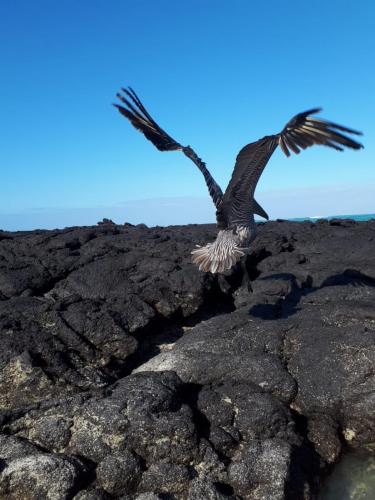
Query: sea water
{"points": [[353, 478], [356, 217]]}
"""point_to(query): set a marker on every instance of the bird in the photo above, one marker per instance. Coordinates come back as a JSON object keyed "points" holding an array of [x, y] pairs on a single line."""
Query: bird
{"points": [[236, 207]]}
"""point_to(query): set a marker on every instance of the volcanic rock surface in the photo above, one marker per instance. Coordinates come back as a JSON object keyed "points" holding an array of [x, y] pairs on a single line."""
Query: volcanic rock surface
{"points": [[127, 373]]}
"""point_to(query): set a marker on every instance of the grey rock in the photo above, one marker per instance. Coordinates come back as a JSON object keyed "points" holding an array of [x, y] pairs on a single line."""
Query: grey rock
{"points": [[92, 494], [39, 476], [165, 477], [240, 412], [331, 356], [201, 488], [119, 473], [230, 347], [148, 496], [12, 447], [259, 471], [323, 433]]}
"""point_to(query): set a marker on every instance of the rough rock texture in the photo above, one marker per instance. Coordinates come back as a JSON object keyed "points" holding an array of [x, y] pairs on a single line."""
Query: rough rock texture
{"points": [[126, 373]]}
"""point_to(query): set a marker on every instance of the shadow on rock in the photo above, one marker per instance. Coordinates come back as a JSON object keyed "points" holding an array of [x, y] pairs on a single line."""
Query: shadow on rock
{"points": [[277, 305]]}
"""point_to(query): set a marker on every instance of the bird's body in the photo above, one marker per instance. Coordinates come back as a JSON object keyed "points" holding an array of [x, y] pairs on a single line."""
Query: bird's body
{"points": [[236, 207]]}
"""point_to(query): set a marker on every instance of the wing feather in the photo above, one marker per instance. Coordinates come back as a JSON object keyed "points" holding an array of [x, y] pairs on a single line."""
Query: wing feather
{"points": [[317, 131], [258, 210], [301, 132], [238, 201], [291, 144], [160, 139], [284, 146], [133, 109]]}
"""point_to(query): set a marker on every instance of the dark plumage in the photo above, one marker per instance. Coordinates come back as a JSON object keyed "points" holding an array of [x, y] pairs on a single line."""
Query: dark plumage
{"points": [[235, 208]]}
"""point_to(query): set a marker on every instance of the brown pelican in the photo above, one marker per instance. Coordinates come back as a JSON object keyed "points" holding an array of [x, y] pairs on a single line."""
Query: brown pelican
{"points": [[235, 208]]}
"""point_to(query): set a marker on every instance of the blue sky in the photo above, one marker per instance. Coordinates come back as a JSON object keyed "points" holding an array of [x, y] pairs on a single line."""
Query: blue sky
{"points": [[216, 74]]}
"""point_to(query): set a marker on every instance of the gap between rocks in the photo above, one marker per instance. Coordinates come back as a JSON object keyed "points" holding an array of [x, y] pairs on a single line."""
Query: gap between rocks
{"points": [[162, 332]]}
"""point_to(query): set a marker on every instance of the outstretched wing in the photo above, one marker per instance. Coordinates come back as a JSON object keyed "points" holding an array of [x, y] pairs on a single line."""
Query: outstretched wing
{"points": [[139, 117], [301, 131]]}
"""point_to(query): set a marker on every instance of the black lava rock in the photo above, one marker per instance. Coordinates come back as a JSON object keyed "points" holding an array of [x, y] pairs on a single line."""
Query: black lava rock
{"points": [[127, 373]]}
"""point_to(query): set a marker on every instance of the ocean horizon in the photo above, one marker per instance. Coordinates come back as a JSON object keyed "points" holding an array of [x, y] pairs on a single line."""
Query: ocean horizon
{"points": [[356, 217], [72, 222]]}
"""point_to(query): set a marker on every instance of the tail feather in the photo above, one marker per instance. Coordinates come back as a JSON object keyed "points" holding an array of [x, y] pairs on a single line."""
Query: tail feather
{"points": [[220, 255]]}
